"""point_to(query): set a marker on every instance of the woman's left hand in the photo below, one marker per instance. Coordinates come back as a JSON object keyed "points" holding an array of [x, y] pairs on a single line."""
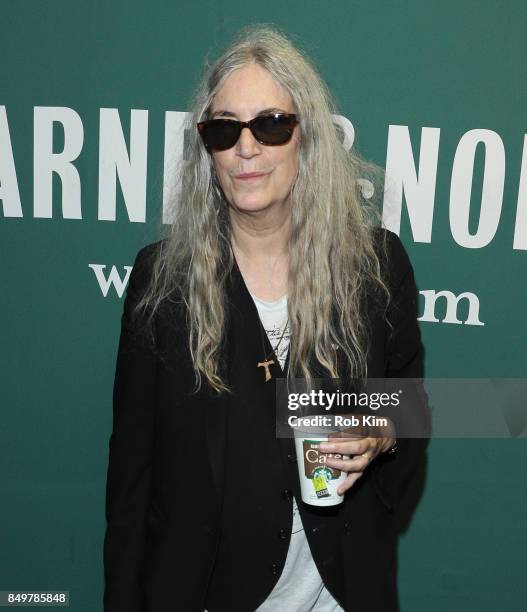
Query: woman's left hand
{"points": [[362, 451]]}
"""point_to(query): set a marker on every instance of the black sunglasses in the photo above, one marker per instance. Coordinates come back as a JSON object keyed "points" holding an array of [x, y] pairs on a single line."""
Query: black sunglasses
{"points": [[270, 130]]}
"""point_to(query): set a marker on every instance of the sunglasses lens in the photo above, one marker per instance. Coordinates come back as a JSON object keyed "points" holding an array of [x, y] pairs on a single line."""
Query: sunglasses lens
{"points": [[273, 129], [220, 134]]}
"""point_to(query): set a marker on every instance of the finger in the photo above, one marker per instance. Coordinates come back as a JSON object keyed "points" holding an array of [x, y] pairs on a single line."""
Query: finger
{"points": [[346, 447], [349, 482], [355, 464], [358, 434], [344, 440]]}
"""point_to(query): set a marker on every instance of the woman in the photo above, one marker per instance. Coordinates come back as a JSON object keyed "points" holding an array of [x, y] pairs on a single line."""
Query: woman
{"points": [[271, 269]]}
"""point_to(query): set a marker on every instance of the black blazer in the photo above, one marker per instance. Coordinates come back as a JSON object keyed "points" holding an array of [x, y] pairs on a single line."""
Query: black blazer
{"points": [[161, 541]]}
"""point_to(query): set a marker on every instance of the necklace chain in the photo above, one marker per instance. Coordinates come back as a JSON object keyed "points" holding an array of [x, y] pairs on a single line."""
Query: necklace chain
{"points": [[269, 282], [267, 362]]}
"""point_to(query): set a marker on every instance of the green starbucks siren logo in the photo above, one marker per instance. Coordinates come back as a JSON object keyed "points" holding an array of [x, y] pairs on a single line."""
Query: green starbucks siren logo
{"points": [[323, 472]]}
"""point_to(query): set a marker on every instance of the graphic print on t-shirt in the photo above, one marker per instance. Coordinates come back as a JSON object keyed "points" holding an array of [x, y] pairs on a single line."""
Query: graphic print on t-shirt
{"points": [[273, 316], [276, 339]]}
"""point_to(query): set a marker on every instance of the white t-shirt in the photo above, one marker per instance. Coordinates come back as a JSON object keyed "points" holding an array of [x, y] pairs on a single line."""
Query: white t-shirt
{"points": [[300, 587]]}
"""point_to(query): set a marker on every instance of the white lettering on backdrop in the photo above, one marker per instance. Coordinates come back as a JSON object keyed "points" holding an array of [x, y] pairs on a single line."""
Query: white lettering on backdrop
{"points": [[410, 178]]}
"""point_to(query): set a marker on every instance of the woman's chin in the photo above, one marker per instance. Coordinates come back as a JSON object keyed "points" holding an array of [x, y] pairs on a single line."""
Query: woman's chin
{"points": [[251, 205]]}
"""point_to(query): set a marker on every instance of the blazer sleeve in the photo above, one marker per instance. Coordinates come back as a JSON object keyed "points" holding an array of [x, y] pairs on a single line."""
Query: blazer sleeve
{"points": [[130, 452], [404, 359]]}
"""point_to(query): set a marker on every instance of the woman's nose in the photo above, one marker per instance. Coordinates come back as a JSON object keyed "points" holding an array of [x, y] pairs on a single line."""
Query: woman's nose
{"points": [[247, 143]]}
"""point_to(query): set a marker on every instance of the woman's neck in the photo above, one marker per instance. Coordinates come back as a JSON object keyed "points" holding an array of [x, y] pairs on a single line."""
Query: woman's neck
{"points": [[260, 235], [260, 245]]}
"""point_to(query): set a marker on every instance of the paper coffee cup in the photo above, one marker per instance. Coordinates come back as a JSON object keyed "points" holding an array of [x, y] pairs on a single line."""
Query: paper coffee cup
{"points": [[318, 481]]}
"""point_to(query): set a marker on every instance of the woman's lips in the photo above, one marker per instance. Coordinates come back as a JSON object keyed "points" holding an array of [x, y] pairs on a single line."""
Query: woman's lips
{"points": [[250, 176]]}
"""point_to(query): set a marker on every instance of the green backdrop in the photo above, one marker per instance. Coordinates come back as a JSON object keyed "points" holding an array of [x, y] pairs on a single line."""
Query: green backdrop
{"points": [[439, 70]]}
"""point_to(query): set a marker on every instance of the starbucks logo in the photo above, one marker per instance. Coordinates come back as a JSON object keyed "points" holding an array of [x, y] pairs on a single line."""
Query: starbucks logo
{"points": [[323, 472]]}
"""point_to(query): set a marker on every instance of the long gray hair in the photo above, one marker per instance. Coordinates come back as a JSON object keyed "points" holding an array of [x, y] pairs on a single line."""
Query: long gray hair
{"points": [[332, 259]]}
